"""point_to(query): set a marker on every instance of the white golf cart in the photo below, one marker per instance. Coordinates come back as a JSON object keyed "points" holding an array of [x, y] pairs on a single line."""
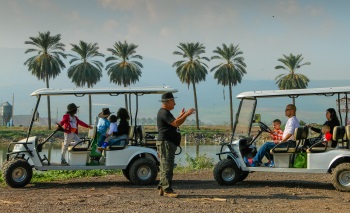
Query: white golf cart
{"points": [[134, 156], [320, 159]]}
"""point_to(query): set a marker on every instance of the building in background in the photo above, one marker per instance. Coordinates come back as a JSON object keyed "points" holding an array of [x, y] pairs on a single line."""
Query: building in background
{"points": [[6, 111]]}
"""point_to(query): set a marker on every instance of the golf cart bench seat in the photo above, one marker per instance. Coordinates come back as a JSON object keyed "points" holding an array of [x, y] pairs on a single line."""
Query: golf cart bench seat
{"points": [[149, 138], [338, 135], [85, 143], [118, 144], [300, 134]]}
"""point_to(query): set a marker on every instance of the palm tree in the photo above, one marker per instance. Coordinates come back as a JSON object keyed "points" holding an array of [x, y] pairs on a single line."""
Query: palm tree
{"points": [[86, 70], [231, 70], [47, 62], [292, 80], [121, 70], [191, 70]]}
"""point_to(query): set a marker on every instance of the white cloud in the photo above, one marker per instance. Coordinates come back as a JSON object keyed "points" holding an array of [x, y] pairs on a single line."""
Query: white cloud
{"points": [[110, 25]]}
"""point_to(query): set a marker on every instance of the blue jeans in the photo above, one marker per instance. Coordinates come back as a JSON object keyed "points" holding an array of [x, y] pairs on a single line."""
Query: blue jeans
{"points": [[101, 139], [263, 151], [118, 141]]}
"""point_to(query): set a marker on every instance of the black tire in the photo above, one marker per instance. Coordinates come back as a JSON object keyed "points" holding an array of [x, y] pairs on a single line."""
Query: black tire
{"points": [[143, 171], [17, 173], [243, 176], [341, 177], [226, 172], [126, 173]]}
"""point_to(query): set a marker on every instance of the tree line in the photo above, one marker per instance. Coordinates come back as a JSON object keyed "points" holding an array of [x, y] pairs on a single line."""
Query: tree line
{"points": [[124, 68]]}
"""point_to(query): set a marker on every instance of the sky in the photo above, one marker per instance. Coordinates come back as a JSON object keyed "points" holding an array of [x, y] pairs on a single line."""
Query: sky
{"points": [[263, 29]]}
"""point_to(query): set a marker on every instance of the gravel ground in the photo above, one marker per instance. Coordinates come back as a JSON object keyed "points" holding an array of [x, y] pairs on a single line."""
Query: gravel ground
{"points": [[260, 192]]}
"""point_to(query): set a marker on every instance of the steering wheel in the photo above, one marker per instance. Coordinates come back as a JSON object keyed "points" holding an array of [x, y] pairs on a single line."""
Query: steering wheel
{"points": [[264, 127]]}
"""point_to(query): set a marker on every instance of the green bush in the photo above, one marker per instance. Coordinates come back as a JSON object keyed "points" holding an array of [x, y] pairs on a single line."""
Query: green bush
{"points": [[199, 162]]}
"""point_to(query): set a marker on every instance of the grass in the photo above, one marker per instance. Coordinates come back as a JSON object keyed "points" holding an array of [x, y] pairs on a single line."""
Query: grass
{"points": [[193, 164], [196, 163]]}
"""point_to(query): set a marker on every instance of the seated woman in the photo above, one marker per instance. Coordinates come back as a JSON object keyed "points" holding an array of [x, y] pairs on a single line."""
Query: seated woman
{"points": [[121, 135], [332, 121]]}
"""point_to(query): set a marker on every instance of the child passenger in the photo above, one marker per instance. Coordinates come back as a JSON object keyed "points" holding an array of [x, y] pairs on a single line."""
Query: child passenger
{"points": [[70, 123], [111, 134], [122, 129], [103, 125], [276, 136], [327, 136]]}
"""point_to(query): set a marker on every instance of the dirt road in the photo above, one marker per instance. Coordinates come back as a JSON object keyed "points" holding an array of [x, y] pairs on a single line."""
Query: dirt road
{"points": [[260, 192]]}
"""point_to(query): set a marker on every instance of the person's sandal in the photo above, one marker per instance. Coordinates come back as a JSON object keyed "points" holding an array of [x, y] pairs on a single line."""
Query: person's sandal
{"points": [[170, 194]]}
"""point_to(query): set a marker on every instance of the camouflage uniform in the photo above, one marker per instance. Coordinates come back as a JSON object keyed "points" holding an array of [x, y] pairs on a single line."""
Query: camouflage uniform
{"points": [[166, 150]]}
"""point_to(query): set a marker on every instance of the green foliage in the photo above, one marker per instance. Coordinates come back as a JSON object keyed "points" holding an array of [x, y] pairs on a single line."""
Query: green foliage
{"points": [[53, 175], [199, 162], [84, 69], [61, 175], [123, 68], [292, 80]]}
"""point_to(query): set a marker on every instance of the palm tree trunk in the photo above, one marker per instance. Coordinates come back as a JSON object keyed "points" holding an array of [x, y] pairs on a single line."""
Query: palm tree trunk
{"points": [[231, 106], [126, 100], [48, 105], [90, 111], [195, 104]]}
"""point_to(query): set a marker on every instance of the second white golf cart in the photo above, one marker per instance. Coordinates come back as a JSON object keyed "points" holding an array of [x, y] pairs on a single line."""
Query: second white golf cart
{"points": [[320, 159], [138, 162]]}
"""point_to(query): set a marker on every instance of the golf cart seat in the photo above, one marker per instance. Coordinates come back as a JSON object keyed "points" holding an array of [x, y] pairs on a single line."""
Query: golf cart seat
{"points": [[300, 135], [347, 133], [337, 137], [85, 143], [118, 144], [149, 138], [340, 136]]}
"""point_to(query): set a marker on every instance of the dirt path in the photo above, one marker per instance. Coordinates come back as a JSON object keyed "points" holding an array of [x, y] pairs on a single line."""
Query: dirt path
{"points": [[260, 192]]}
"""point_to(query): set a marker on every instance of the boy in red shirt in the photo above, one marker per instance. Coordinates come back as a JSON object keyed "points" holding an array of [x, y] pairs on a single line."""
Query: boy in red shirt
{"points": [[277, 136]]}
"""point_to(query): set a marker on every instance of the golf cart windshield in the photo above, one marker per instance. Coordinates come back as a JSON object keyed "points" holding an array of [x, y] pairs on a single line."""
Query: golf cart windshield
{"points": [[244, 117]]}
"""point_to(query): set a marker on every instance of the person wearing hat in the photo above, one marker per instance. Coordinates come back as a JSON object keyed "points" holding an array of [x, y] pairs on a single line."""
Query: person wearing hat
{"points": [[168, 140], [70, 123], [103, 125], [120, 132]]}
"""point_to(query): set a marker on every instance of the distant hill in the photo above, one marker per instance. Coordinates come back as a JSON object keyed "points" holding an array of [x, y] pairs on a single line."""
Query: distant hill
{"points": [[213, 100]]}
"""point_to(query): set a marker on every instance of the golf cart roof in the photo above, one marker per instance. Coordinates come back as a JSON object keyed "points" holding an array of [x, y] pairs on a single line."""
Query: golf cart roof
{"points": [[100, 91], [328, 91]]}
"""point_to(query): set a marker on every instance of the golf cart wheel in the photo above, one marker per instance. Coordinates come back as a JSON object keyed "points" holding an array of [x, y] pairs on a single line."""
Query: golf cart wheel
{"points": [[226, 172], [126, 173], [17, 173], [341, 177], [143, 171]]}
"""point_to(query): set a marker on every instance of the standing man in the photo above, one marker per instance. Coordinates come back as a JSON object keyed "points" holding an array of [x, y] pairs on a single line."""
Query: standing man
{"points": [[287, 136], [168, 140]]}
